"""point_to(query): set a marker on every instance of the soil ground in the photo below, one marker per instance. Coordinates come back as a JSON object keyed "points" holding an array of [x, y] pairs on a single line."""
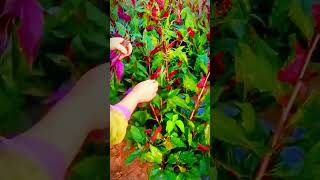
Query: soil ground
{"points": [[118, 169]]}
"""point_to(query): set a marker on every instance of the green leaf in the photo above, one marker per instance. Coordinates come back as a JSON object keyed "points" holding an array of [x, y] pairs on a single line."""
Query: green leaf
{"points": [[189, 138], [121, 29], [157, 60], [156, 154], [172, 159], [136, 134], [248, 116], [156, 101], [174, 117], [170, 126], [173, 93], [191, 124], [141, 116], [255, 68], [177, 142], [77, 45], [213, 173], [96, 15], [60, 60], [169, 174], [132, 156], [204, 166], [180, 124], [179, 102], [226, 129], [188, 157], [301, 18], [92, 167], [207, 134], [190, 83], [308, 112], [189, 17], [202, 62]]}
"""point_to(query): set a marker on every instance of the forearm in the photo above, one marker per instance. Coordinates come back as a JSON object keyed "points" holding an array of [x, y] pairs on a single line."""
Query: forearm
{"points": [[130, 103], [65, 127]]}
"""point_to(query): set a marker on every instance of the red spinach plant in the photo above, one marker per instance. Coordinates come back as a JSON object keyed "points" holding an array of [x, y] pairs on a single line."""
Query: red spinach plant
{"points": [[170, 44], [266, 96]]}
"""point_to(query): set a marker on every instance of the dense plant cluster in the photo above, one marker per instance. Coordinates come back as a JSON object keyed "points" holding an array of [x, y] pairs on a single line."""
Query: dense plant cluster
{"points": [[170, 44], [45, 46], [265, 92]]}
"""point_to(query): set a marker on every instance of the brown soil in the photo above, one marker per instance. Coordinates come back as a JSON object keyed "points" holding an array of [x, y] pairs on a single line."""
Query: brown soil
{"points": [[118, 169]]}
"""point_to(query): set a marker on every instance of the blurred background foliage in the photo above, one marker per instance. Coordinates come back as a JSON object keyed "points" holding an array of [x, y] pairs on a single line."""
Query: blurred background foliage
{"points": [[256, 64]]}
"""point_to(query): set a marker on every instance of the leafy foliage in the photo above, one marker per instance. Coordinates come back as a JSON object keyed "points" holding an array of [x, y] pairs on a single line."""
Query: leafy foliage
{"points": [[170, 45]]}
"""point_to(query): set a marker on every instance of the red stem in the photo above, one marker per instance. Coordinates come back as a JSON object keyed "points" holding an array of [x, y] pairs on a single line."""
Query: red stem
{"points": [[199, 98], [154, 113]]}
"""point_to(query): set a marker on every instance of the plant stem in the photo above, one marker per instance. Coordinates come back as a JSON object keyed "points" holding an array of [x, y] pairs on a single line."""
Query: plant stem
{"points": [[154, 113], [167, 60], [199, 98], [285, 113]]}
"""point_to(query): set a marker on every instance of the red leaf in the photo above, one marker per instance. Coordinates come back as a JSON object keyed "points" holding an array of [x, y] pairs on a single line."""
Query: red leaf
{"points": [[139, 44], [160, 3], [191, 32], [30, 29], [140, 14], [179, 20], [116, 34], [122, 15], [169, 87], [149, 27], [290, 73], [316, 14], [201, 82], [156, 111], [180, 6], [133, 2], [154, 11], [218, 67], [150, 4], [119, 66], [171, 44], [159, 31], [156, 132], [165, 14], [172, 74], [155, 50], [177, 82], [148, 131], [203, 148], [179, 35], [156, 74], [147, 59]]}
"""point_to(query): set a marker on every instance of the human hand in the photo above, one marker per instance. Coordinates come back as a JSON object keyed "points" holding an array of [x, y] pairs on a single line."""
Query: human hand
{"points": [[121, 45], [145, 91]]}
